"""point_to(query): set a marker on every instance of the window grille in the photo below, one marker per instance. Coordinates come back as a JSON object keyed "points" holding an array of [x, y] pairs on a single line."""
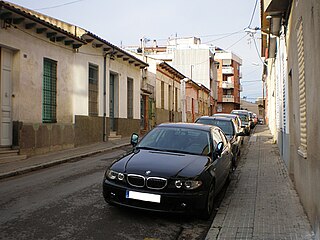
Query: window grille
{"points": [[49, 91], [93, 90], [176, 100], [162, 95], [302, 92], [130, 97]]}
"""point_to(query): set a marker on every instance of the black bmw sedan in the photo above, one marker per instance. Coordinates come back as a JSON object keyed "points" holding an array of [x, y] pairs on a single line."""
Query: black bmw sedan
{"points": [[176, 167]]}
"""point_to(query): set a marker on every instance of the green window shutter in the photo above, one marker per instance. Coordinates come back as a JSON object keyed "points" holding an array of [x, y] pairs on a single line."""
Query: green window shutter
{"points": [[93, 89], [49, 91]]}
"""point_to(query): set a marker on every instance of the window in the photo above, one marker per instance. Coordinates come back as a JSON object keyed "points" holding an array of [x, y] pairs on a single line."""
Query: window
{"points": [[49, 91], [162, 95], [130, 98], [176, 100], [302, 92], [93, 90]]}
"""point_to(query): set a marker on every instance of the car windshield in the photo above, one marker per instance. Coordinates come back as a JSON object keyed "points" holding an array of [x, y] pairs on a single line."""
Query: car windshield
{"points": [[226, 126], [244, 118], [174, 139]]}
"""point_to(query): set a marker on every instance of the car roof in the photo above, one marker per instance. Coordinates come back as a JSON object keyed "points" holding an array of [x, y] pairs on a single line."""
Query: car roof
{"points": [[239, 111], [188, 125], [228, 115], [222, 118]]}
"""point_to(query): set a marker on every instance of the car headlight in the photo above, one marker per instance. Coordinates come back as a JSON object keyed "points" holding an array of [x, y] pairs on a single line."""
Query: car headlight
{"points": [[188, 184], [191, 184], [113, 175]]}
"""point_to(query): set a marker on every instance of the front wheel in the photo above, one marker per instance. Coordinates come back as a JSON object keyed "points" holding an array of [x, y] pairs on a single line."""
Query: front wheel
{"points": [[206, 212]]}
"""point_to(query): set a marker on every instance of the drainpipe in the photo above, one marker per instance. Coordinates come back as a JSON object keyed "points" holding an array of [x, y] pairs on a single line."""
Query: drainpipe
{"points": [[104, 97]]}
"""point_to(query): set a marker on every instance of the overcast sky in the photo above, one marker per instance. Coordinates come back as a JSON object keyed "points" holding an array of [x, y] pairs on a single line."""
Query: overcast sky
{"points": [[125, 22]]}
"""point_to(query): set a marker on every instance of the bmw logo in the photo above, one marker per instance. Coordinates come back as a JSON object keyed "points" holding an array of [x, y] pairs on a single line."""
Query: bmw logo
{"points": [[148, 172]]}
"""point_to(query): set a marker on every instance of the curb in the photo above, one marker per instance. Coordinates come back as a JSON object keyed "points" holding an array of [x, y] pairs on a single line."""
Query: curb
{"points": [[21, 171]]}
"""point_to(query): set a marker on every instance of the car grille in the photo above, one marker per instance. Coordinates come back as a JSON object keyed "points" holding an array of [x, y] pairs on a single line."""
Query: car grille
{"points": [[136, 180], [150, 182], [156, 183]]}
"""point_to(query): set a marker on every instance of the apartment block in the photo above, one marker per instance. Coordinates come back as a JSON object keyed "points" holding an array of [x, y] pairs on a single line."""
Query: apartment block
{"points": [[229, 76]]}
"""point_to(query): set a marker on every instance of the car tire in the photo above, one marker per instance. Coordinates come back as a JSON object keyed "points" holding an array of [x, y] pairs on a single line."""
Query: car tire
{"points": [[206, 212]]}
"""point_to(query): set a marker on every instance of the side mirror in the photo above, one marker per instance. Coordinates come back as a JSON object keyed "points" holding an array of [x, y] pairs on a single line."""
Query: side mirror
{"points": [[134, 139], [219, 148]]}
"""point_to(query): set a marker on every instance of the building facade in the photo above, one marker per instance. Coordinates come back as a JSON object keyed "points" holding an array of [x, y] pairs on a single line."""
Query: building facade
{"points": [[229, 86], [197, 101], [168, 100], [290, 37], [192, 59], [62, 89]]}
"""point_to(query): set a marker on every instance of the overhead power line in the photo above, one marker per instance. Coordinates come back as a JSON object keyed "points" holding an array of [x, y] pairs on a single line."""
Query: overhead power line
{"points": [[224, 36], [253, 13], [236, 42], [60, 5]]}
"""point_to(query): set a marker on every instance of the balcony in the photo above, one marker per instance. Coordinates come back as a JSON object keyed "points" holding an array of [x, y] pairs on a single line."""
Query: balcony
{"points": [[228, 70], [227, 98], [240, 88], [227, 85]]}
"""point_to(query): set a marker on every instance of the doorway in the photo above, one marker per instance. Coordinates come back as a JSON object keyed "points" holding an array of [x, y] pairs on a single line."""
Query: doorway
{"points": [[6, 92], [113, 100]]}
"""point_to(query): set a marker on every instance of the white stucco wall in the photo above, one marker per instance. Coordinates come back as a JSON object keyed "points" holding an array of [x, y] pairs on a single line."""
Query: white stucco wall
{"points": [[29, 50], [193, 62], [124, 70]]}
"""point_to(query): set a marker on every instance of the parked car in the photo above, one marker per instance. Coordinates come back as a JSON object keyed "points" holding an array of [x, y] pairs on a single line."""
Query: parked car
{"points": [[235, 117], [255, 119], [245, 119], [260, 121], [176, 167], [251, 119], [230, 129]]}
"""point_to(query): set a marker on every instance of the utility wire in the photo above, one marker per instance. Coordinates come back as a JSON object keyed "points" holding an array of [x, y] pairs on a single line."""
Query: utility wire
{"points": [[207, 36], [236, 42], [255, 44], [224, 36], [60, 5], [254, 10]]}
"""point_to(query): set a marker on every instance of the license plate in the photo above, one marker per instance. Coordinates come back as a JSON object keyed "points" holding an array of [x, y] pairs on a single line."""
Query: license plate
{"points": [[147, 197]]}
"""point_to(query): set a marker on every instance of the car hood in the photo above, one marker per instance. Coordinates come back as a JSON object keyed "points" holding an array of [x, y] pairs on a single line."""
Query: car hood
{"points": [[162, 164]]}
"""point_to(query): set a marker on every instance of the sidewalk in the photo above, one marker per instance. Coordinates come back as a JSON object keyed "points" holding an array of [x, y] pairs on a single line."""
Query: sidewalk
{"points": [[261, 202], [46, 160]]}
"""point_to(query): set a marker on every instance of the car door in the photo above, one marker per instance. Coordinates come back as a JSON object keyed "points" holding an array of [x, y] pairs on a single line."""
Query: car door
{"points": [[219, 163], [226, 156]]}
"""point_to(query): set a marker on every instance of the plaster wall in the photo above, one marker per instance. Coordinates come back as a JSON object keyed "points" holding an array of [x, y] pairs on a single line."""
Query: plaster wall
{"points": [[124, 70], [29, 50], [305, 171]]}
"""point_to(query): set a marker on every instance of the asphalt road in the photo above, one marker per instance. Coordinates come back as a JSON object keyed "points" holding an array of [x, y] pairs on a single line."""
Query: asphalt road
{"points": [[66, 202]]}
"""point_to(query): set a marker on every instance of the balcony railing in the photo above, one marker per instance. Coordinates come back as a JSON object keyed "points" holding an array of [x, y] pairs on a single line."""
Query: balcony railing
{"points": [[240, 88], [227, 70], [227, 85], [227, 98]]}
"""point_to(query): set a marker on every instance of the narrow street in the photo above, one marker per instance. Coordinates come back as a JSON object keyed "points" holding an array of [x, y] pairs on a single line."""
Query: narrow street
{"points": [[65, 202]]}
